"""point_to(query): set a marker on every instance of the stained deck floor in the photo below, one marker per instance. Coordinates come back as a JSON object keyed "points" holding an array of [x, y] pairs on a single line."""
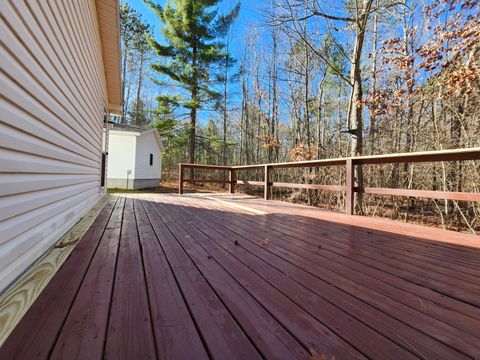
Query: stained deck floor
{"points": [[235, 277]]}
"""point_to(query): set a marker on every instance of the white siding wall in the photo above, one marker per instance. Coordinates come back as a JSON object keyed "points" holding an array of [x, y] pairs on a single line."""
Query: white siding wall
{"points": [[121, 155], [52, 99], [146, 145]]}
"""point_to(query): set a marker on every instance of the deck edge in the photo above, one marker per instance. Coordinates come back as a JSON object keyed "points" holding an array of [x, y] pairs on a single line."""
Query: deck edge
{"points": [[21, 294]]}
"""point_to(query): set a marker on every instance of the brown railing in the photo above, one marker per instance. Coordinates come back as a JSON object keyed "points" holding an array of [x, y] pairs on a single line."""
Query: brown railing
{"points": [[349, 163]]}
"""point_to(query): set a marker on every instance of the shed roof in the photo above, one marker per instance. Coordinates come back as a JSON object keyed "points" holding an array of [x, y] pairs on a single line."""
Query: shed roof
{"points": [[138, 131], [109, 28], [128, 127]]}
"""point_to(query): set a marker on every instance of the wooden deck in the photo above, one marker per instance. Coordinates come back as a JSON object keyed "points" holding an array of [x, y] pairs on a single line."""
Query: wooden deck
{"points": [[235, 277]]}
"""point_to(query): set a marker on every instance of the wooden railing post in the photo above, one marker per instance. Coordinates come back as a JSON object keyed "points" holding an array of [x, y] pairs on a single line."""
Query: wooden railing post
{"points": [[350, 187], [267, 180], [180, 179], [232, 180]]}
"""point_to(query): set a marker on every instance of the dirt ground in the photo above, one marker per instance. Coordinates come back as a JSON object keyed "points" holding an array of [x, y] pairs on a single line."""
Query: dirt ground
{"points": [[172, 187]]}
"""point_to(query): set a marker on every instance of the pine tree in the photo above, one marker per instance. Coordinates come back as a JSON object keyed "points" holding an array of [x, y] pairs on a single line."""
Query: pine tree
{"points": [[190, 52], [134, 54]]}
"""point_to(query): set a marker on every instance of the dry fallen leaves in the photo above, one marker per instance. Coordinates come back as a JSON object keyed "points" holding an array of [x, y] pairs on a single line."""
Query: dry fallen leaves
{"points": [[316, 356]]}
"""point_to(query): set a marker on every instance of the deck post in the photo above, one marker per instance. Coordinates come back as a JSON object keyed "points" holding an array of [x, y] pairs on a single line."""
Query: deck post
{"points": [[232, 180], [267, 180], [180, 179], [349, 187]]}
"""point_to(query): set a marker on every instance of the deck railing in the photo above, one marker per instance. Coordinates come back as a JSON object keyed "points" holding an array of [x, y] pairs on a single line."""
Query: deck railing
{"points": [[350, 189]]}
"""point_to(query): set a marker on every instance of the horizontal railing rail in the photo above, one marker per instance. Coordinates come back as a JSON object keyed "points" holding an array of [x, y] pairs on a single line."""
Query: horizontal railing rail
{"points": [[349, 188]]}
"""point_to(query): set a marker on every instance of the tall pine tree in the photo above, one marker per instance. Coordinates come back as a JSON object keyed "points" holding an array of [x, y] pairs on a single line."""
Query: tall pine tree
{"points": [[190, 52]]}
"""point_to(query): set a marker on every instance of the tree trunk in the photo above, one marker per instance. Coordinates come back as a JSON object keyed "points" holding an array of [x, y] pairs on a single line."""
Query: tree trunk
{"points": [[225, 116], [356, 97], [410, 138], [373, 89], [274, 134], [127, 100], [124, 80], [139, 89], [225, 120], [245, 128], [193, 113]]}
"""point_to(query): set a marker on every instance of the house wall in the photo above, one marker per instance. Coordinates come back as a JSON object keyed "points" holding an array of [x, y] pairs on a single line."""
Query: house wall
{"points": [[53, 96], [147, 175], [121, 158]]}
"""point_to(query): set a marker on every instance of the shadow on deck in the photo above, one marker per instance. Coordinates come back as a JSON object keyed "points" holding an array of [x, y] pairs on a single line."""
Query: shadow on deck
{"points": [[226, 277]]}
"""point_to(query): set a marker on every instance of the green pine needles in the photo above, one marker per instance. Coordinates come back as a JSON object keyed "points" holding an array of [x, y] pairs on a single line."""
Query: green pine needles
{"points": [[191, 53]]}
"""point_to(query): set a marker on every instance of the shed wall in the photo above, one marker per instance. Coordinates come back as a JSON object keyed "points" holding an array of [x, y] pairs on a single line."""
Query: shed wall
{"points": [[121, 158], [146, 145]]}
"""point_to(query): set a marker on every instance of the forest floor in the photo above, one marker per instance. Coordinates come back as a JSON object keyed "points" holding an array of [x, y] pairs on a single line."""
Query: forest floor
{"points": [[170, 187]]}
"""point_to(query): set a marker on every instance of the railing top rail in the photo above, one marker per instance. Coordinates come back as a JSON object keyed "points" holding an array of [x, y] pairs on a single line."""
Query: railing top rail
{"points": [[202, 166], [308, 163], [424, 156], [257, 166]]}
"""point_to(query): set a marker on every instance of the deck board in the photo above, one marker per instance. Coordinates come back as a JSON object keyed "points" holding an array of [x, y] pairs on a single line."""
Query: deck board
{"points": [[389, 326], [379, 259], [272, 340], [83, 333], [129, 333], [229, 276], [290, 303], [370, 294], [174, 329], [223, 336], [345, 256]]}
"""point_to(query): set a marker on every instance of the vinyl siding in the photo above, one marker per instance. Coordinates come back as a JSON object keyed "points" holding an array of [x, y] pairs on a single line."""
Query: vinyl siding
{"points": [[52, 99]]}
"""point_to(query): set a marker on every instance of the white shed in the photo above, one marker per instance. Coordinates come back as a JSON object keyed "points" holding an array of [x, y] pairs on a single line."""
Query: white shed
{"points": [[59, 80], [134, 157]]}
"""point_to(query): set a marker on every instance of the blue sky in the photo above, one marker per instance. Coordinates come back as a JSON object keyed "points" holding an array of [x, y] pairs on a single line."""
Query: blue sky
{"points": [[250, 16]]}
